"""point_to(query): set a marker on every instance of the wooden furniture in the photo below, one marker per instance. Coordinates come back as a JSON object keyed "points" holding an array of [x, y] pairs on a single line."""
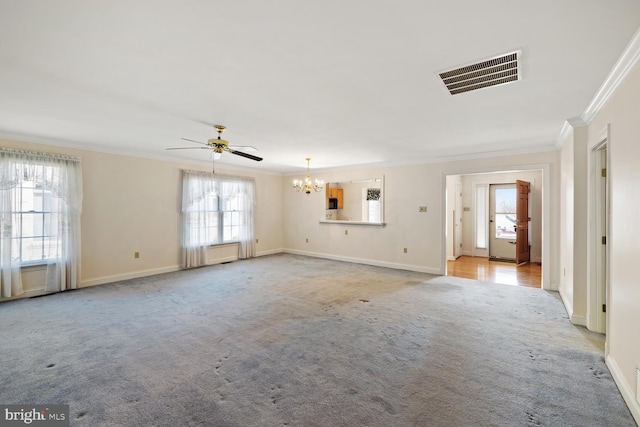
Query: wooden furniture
{"points": [[334, 193]]}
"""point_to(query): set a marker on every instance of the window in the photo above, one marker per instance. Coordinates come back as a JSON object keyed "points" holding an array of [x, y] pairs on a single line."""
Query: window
{"points": [[373, 205], [216, 209], [373, 211], [481, 217], [32, 218], [219, 216], [40, 206], [505, 217]]}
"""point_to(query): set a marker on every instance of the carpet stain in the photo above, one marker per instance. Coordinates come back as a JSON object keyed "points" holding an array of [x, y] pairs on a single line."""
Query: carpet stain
{"points": [[596, 372], [51, 365], [219, 364], [364, 301], [81, 415], [275, 394], [532, 419], [388, 407]]}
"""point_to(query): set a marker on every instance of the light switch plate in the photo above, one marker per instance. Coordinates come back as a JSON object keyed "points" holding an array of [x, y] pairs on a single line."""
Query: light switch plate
{"points": [[422, 208]]}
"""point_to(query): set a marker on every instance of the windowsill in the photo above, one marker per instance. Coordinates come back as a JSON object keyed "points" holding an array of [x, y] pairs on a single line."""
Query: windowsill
{"points": [[217, 245], [33, 267]]}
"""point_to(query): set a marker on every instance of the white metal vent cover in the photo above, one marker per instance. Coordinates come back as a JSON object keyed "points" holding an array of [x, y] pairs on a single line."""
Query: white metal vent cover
{"points": [[491, 72]]}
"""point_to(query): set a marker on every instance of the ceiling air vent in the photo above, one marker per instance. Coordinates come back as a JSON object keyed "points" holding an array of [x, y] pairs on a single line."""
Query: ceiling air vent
{"points": [[492, 72]]}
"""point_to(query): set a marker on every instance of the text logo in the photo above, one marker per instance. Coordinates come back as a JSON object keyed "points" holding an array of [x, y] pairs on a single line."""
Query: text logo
{"points": [[34, 415]]}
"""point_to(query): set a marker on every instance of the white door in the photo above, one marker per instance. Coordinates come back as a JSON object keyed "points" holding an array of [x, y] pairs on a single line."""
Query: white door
{"points": [[601, 232], [457, 222], [502, 221]]}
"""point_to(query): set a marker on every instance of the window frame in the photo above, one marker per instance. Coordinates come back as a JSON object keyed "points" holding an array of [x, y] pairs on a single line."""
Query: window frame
{"points": [[224, 211], [37, 185]]}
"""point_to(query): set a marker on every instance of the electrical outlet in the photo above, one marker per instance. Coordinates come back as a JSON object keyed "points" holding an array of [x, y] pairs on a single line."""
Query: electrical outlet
{"points": [[257, 240], [405, 250], [136, 254], [422, 208], [346, 232], [306, 240]]}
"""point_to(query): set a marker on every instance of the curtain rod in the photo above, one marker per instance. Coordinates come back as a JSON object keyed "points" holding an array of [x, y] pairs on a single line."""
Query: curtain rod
{"points": [[39, 154]]}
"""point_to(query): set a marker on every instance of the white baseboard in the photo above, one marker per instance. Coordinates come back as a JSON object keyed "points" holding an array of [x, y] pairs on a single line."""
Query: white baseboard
{"points": [[625, 389], [451, 258], [578, 320], [377, 263], [133, 275], [270, 252], [567, 304], [574, 318], [143, 273]]}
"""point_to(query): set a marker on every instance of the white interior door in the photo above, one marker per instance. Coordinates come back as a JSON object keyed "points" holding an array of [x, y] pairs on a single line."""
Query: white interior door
{"points": [[601, 232], [502, 221]]}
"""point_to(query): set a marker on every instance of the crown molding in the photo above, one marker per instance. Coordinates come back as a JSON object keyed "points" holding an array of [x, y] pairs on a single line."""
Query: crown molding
{"points": [[567, 127], [33, 139], [629, 59]]}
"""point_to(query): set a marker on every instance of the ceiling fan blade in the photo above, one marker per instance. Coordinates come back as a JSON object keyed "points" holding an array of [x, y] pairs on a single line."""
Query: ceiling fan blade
{"points": [[191, 140], [244, 148], [188, 148], [248, 156]]}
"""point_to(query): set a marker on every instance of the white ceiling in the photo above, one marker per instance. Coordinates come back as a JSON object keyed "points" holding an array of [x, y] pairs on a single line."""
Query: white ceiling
{"points": [[344, 82]]}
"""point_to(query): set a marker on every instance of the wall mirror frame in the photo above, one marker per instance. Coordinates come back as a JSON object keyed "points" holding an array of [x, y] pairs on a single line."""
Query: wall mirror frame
{"points": [[358, 201]]}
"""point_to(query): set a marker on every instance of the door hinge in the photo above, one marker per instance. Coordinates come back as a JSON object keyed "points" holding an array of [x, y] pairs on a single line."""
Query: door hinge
{"points": [[603, 172], [604, 240], [604, 308]]}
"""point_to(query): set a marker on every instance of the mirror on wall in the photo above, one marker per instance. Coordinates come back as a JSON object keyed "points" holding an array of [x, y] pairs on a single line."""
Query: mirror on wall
{"points": [[359, 201]]}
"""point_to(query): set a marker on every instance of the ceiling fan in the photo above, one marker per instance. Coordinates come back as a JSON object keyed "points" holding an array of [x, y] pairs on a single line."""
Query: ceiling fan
{"points": [[219, 145]]}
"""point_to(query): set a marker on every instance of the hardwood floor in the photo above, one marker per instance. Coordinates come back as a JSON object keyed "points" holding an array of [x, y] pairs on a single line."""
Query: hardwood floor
{"points": [[480, 268]]}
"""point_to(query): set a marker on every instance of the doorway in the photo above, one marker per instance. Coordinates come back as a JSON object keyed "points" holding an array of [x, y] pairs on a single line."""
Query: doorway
{"points": [[475, 226], [598, 286], [502, 222]]}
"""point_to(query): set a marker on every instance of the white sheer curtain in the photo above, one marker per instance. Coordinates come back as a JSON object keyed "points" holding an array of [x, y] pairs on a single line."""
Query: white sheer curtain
{"points": [[216, 209], [58, 182]]}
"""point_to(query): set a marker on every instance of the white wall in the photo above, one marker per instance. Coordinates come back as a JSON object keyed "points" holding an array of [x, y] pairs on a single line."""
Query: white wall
{"points": [[423, 234], [132, 205], [622, 113], [574, 265]]}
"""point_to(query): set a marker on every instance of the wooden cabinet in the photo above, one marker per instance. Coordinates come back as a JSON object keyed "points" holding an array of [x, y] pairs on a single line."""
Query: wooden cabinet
{"points": [[334, 193]]}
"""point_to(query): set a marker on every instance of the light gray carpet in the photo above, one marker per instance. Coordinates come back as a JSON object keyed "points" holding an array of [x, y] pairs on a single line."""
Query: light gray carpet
{"points": [[286, 340]]}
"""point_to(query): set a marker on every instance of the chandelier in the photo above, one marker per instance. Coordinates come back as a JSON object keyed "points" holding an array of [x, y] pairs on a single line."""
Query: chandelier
{"points": [[307, 185]]}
